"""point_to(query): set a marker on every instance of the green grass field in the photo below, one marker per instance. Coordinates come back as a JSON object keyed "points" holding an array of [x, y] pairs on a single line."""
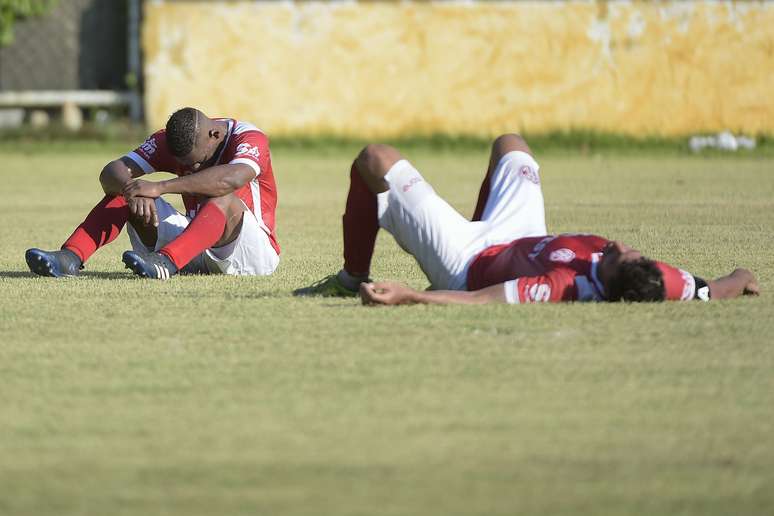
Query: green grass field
{"points": [[218, 395]]}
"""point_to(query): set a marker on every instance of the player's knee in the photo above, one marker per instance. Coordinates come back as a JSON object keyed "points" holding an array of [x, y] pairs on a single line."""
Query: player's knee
{"points": [[509, 142], [227, 203], [376, 159]]}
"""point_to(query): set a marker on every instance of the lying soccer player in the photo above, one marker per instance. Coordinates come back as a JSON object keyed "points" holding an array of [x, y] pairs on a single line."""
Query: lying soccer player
{"points": [[227, 185], [504, 253]]}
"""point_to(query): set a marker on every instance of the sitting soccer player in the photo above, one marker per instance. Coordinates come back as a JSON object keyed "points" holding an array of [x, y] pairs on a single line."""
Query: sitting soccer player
{"points": [[227, 185], [504, 253]]}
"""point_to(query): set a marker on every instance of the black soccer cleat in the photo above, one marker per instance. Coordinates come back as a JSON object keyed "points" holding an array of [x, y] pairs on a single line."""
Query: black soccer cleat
{"points": [[56, 264], [149, 265]]}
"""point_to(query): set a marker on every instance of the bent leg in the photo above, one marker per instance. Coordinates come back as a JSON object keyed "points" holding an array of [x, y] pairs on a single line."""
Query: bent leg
{"points": [[511, 199], [423, 224], [217, 223], [251, 253], [359, 222], [147, 233], [150, 238], [101, 226], [502, 145]]}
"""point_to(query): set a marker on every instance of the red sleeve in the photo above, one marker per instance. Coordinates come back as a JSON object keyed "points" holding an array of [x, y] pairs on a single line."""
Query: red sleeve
{"points": [[153, 154], [679, 285], [251, 148], [554, 287]]}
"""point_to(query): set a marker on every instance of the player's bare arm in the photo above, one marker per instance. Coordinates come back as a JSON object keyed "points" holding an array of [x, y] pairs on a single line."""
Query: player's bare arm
{"points": [[394, 293], [212, 182], [114, 178], [739, 282], [116, 174]]}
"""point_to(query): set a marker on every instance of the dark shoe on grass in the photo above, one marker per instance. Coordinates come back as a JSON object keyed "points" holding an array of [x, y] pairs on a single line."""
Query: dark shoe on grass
{"points": [[149, 265], [56, 264], [329, 286]]}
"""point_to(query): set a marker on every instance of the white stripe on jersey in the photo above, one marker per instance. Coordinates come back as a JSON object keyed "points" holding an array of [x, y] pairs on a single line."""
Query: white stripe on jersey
{"points": [[252, 164], [243, 127], [144, 165], [256, 191]]}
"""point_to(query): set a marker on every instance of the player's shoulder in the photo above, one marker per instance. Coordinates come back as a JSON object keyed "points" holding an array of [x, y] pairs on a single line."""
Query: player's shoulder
{"points": [[242, 127], [152, 153], [580, 242], [155, 141]]}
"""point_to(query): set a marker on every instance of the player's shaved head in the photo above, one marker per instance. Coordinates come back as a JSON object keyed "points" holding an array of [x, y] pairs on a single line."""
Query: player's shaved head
{"points": [[183, 129]]}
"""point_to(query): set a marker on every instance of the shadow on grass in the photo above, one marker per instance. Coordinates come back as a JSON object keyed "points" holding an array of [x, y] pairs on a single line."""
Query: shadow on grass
{"points": [[17, 274], [113, 275], [85, 274]]}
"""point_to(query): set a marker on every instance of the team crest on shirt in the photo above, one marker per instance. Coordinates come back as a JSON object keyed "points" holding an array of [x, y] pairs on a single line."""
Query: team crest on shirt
{"points": [[530, 174], [149, 146], [563, 255], [245, 149]]}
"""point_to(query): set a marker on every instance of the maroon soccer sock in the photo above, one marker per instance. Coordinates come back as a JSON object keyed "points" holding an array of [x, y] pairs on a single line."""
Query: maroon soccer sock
{"points": [[360, 225], [202, 233], [483, 196], [102, 225]]}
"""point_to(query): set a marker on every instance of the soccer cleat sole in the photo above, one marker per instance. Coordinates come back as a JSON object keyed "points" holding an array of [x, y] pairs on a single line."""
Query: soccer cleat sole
{"points": [[134, 266], [42, 265]]}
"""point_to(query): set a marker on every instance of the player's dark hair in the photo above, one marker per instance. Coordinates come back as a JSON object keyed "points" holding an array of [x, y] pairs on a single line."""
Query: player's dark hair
{"points": [[181, 131], [637, 281]]}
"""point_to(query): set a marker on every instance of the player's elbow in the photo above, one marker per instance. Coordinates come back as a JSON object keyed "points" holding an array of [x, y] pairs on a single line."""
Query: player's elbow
{"points": [[110, 177], [230, 185], [238, 178]]}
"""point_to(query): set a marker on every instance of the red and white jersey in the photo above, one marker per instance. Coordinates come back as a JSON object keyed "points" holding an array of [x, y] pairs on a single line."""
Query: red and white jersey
{"points": [[244, 144], [557, 268]]}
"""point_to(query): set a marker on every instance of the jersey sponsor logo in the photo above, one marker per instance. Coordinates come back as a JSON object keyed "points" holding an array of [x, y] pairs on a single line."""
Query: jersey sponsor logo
{"points": [[530, 174], [412, 182], [539, 293], [562, 255], [149, 147], [245, 149]]}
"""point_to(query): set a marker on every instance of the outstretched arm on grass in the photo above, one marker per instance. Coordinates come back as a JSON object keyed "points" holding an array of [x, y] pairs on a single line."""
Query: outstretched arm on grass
{"points": [[393, 293], [740, 282]]}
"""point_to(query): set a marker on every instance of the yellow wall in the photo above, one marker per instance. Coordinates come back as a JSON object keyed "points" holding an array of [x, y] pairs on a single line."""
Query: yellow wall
{"points": [[482, 68]]}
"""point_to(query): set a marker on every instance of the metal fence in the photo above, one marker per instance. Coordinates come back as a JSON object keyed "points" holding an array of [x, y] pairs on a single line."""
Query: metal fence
{"points": [[83, 52], [79, 45]]}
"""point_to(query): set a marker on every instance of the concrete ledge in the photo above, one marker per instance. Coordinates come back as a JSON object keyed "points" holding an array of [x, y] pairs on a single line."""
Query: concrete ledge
{"points": [[58, 98]]}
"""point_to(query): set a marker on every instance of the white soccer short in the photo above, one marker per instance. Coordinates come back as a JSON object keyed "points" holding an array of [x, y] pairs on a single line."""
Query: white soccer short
{"points": [[443, 241], [250, 254]]}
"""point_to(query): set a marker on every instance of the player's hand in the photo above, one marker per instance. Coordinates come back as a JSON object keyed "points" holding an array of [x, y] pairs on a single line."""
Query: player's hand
{"points": [[385, 293], [140, 188], [751, 284], [144, 209]]}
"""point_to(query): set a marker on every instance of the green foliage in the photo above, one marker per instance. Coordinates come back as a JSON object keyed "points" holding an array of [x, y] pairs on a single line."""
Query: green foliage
{"points": [[12, 11]]}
